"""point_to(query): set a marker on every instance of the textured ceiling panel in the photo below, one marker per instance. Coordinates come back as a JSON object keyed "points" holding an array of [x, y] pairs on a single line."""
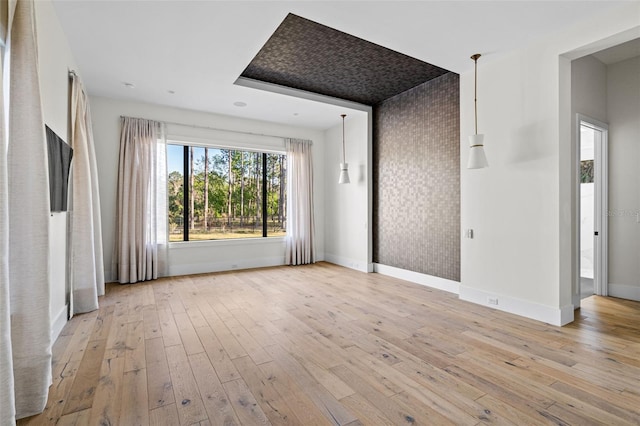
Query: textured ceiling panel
{"points": [[305, 55]]}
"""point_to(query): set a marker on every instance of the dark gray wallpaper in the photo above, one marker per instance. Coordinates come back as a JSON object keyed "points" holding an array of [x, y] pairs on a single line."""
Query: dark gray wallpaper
{"points": [[306, 55], [416, 176]]}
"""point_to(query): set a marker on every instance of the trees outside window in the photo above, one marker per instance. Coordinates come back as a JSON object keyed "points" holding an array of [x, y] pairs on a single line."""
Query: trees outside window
{"points": [[230, 193]]}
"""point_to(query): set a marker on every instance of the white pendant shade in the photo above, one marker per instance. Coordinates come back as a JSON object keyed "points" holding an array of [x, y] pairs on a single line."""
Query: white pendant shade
{"points": [[344, 173], [477, 158]]}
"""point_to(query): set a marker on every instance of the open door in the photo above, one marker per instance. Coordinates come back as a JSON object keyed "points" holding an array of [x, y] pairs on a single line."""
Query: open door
{"points": [[593, 206]]}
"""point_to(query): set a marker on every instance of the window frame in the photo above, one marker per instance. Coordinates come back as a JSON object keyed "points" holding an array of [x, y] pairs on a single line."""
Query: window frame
{"points": [[187, 143]]}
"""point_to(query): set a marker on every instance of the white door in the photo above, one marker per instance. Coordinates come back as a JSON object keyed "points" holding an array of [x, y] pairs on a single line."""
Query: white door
{"points": [[592, 184]]}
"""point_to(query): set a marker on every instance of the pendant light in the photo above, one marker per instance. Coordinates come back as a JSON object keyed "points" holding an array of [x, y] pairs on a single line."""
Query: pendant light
{"points": [[344, 167], [477, 158]]}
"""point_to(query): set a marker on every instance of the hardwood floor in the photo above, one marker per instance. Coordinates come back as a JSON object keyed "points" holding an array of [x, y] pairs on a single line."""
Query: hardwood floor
{"points": [[322, 344]]}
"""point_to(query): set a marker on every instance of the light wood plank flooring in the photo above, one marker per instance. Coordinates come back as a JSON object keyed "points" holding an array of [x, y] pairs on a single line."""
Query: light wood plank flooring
{"points": [[322, 345]]}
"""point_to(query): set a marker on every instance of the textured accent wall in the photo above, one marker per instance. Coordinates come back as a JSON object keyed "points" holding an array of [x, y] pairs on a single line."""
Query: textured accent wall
{"points": [[416, 177]]}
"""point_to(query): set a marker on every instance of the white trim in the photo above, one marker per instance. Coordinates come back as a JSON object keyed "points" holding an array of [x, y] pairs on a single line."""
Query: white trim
{"points": [[228, 265], [58, 323], [566, 315], [602, 204], [548, 314], [611, 41], [298, 93], [624, 291], [418, 278], [577, 217], [249, 241], [223, 144], [369, 168], [358, 265]]}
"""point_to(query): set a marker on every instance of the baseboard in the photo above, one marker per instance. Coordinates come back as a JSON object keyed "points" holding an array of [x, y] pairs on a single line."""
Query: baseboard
{"points": [[566, 315], [347, 262], [624, 291], [549, 314], [418, 278], [228, 265], [58, 323]]}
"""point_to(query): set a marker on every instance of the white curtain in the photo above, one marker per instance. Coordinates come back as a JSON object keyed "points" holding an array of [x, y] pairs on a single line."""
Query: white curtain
{"points": [[300, 239], [86, 264], [142, 207], [25, 346], [7, 395]]}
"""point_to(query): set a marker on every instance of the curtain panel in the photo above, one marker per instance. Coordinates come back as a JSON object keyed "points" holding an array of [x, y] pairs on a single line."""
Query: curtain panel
{"points": [[86, 263], [300, 239], [25, 324], [141, 204]]}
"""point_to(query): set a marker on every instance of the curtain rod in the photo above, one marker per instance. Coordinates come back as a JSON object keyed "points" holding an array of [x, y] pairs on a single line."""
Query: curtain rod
{"points": [[195, 126]]}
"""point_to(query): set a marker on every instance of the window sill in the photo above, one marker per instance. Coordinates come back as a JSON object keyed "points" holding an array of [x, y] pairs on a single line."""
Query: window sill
{"points": [[225, 243]]}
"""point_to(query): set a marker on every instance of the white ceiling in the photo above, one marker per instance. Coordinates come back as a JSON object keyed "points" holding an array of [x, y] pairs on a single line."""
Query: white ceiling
{"points": [[199, 48]]}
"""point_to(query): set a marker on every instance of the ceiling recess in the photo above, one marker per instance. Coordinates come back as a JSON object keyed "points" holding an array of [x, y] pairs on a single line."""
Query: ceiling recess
{"points": [[309, 56]]}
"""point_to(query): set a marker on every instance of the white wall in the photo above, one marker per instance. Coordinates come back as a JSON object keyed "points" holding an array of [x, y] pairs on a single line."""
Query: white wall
{"points": [[589, 88], [623, 108], [54, 62], [347, 207], [522, 208], [588, 97], [198, 257]]}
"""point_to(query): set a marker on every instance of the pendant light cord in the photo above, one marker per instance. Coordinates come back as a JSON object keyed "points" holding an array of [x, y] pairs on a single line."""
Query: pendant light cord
{"points": [[475, 89], [475, 94], [344, 157]]}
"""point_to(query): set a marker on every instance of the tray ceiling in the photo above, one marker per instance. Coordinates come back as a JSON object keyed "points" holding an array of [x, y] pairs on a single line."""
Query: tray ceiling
{"points": [[309, 56]]}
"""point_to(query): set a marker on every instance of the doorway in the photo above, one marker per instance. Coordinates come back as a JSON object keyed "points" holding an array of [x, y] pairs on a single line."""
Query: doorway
{"points": [[593, 206]]}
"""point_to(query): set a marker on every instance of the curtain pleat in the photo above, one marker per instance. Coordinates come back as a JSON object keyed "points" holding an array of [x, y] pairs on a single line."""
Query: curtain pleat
{"points": [[7, 394], [25, 354], [300, 239], [86, 269], [141, 221]]}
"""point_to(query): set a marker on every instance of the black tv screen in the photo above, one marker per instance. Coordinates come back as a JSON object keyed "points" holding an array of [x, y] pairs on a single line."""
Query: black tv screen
{"points": [[60, 155]]}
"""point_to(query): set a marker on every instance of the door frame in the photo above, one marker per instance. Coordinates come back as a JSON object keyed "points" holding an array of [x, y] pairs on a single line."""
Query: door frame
{"points": [[601, 191]]}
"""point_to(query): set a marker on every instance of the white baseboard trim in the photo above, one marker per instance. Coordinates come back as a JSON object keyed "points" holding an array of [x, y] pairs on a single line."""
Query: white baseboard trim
{"points": [[58, 323], [566, 314], [624, 291], [549, 314], [228, 265], [347, 262], [418, 278]]}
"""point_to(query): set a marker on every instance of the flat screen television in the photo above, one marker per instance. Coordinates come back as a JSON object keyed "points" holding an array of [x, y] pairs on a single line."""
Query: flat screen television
{"points": [[60, 155]]}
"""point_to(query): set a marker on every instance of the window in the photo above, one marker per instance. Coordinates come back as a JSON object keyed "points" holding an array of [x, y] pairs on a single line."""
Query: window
{"points": [[231, 193]]}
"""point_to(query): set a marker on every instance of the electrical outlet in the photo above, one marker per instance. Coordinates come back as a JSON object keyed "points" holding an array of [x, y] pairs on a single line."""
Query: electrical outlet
{"points": [[492, 300]]}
